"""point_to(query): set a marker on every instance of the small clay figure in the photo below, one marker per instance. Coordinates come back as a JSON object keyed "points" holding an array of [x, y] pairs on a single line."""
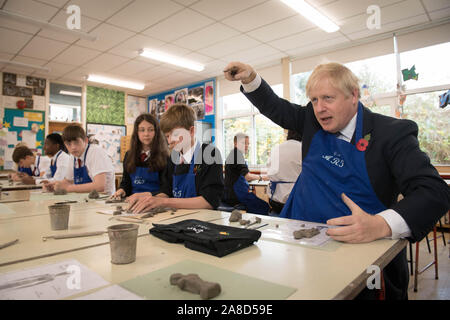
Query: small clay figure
{"points": [[93, 194], [244, 222], [117, 212], [60, 192], [193, 283], [156, 210], [235, 216], [306, 233], [119, 208], [114, 201]]}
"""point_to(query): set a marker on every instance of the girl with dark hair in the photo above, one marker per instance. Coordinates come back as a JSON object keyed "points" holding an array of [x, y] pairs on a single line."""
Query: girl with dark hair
{"points": [[55, 149], [147, 158]]}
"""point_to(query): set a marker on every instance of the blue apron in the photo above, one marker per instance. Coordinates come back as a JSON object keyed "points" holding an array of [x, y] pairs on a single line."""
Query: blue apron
{"points": [[251, 201], [28, 171], [53, 166], [80, 175], [332, 167], [183, 185], [144, 181]]}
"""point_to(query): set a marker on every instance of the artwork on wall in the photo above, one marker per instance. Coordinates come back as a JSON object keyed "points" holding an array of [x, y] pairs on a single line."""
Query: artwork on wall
{"points": [[19, 88], [199, 96], [105, 106], [108, 137], [135, 106]]}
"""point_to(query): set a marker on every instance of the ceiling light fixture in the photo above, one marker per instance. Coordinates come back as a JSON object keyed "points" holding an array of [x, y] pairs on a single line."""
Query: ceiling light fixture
{"points": [[115, 82], [312, 15], [70, 93], [167, 58], [45, 25], [25, 65]]}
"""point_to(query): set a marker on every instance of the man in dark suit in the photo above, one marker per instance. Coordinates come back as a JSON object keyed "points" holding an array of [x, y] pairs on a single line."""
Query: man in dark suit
{"points": [[355, 164]]}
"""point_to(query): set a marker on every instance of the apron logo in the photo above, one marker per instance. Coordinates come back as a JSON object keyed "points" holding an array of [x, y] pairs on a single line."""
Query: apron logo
{"points": [[176, 194], [197, 229], [334, 159], [139, 180]]}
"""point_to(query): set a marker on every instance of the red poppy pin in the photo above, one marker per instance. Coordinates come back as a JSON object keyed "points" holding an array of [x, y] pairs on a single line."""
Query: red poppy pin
{"points": [[362, 144]]}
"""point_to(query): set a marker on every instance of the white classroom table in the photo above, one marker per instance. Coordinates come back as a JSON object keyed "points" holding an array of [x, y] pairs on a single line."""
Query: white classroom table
{"points": [[317, 274]]}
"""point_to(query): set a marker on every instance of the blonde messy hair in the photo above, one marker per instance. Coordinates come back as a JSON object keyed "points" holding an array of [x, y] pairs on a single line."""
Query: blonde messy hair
{"points": [[340, 77], [178, 115]]}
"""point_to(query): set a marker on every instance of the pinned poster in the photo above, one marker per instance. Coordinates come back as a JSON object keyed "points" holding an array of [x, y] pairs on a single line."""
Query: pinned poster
{"points": [[8, 154], [20, 122], [209, 97], [11, 137], [29, 137]]}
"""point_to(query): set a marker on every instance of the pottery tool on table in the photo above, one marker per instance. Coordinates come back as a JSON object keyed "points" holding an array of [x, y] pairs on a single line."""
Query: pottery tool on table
{"points": [[74, 235], [7, 244]]}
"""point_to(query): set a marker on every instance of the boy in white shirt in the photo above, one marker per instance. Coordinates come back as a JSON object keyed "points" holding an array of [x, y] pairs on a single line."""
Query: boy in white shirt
{"points": [[90, 168], [29, 165]]}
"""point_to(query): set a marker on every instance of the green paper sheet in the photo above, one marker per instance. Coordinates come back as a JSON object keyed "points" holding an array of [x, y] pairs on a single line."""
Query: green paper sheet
{"points": [[156, 285]]}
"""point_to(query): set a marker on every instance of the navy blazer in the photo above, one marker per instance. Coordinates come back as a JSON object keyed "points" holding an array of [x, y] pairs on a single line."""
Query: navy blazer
{"points": [[395, 164]]}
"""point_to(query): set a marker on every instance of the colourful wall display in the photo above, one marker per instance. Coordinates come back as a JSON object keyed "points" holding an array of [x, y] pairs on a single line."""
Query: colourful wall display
{"points": [[105, 106], [200, 96]]}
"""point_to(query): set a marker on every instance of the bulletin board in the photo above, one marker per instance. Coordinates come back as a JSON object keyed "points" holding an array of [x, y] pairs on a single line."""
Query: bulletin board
{"points": [[23, 126], [200, 96]]}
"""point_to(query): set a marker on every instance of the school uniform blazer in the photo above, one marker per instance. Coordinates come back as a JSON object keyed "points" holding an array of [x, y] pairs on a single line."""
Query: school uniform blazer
{"points": [[395, 164]]}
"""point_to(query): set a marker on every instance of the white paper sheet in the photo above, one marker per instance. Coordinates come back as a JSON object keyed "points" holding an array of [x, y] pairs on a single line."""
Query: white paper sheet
{"points": [[49, 282], [114, 292], [20, 122], [29, 137], [21, 81], [39, 103], [11, 137], [8, 154]]}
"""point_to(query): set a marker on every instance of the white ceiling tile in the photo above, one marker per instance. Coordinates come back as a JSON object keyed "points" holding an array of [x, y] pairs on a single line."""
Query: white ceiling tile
{"points": [[56, 3], [389, 26], [282, 28], [439, 14], [433, 5], [401, 10], [130, 68], [303, 39], [154, 73], [58, 69], [86, 24], [229, 46], [99, 9], [178, 25], [18, 70], [343, 9], [194, 56], [31, 9], [129, 48], [42, 48], [145, 13], [29, 60], [105, 62], [6, 56], [15, 40], [108, 37], [76, 55], [259, 16], [317, 45], [252, 54], [185, 2], [18, 26], [173, 49], [219, 9], [206, 37]]}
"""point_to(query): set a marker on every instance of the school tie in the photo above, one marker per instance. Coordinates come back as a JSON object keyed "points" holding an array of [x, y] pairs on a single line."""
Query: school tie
{"points": [[79, 163], [143, 157]]}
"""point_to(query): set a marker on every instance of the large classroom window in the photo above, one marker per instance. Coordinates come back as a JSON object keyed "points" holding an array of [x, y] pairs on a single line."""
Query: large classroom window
{"points": [[239, 115], [422, 95]]}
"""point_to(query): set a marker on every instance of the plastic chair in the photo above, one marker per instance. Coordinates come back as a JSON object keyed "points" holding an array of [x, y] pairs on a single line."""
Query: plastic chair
{"points": [[435, 262]]}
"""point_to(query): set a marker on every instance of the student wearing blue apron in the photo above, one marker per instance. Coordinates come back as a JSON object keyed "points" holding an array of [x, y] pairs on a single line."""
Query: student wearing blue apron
{"points": [[355, 164], [28, 165], [146, 159], [90, 169], [59, 160], [237, 175], [193, 178]]}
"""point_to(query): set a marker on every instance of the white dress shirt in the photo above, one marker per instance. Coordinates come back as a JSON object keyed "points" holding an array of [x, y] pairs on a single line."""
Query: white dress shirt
{"points": [[62, 165], [398, 225]]}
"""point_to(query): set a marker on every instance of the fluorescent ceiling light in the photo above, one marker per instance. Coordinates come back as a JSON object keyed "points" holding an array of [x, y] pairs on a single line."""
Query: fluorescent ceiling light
{"points": [[161, 56], [312, 15], [25, 65], [44, 24], [70, 93], [115, 82]]}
